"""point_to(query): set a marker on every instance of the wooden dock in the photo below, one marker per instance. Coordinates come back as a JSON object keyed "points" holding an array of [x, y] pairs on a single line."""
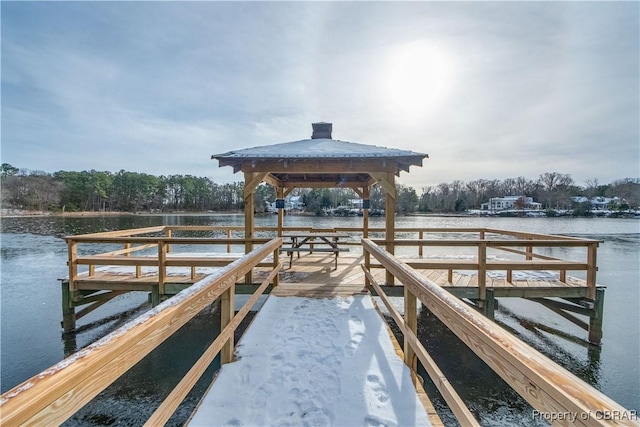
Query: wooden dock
{"points": [[459, 289], [316, 361], [495, 264]]}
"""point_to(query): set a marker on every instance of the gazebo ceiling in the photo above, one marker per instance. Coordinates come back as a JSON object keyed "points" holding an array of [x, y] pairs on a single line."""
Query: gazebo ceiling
{"points": [[320, 161]]}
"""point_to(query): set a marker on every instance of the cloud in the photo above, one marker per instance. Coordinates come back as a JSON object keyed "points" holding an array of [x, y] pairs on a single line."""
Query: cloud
{"points": [[159, 87]]}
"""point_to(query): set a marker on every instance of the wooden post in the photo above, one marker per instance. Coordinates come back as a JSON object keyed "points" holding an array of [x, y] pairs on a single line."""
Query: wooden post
{"points": [[595, 318], [162, 267], [280, 195], [228, 244], [411, 322], [72, 247], [276, 261], [482, 271], [490, 305], [366, 194], [365, 212], [248, 193], [529, 251], [592, 251], [168, 233], [155, 295], [68, 310], [420, 236], [226, 313], [390, 220]]}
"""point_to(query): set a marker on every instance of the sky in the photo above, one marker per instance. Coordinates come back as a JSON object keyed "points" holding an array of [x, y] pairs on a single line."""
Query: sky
{"points": [[489, 90]]}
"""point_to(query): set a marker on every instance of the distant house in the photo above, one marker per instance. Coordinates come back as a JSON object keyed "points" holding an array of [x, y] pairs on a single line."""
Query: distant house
{"points": [[355, 203], [511, 202], [291, 203], [600, 203]]}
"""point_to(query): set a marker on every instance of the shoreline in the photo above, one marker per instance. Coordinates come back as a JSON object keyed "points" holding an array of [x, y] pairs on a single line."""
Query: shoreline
{"points": [[17, 213]]}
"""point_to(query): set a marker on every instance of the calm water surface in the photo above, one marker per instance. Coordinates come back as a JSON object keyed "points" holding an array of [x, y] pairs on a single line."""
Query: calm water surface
{"points": [[34, 257]]}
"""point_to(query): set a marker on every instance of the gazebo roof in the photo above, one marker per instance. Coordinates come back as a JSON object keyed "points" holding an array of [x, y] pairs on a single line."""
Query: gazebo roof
{"points": [[323, 148], [320, 161]]}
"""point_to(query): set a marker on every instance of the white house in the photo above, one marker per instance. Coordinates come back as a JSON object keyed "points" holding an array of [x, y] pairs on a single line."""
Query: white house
{"points": [[291, 203], [600, 203], [511, 202]]}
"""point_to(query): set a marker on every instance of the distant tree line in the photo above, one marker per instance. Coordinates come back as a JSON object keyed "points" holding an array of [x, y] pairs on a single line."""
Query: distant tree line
{"points": [[139, 192], [554, 190]]}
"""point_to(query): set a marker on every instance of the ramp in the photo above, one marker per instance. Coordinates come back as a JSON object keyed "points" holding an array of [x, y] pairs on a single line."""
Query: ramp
{"points": [[320, 362]]}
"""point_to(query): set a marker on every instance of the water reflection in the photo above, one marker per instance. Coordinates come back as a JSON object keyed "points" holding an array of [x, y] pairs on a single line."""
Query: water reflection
{"points": [[586, 369], [100, 327]]}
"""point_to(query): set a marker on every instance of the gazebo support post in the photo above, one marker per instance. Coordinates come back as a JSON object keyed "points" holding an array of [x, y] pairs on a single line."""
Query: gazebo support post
{"points": [[280, 195], [390, 219], [366, 191], [248, 195]]}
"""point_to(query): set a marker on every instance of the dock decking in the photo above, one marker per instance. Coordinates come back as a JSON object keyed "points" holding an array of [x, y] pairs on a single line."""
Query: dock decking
{"points": [[315, 361]]}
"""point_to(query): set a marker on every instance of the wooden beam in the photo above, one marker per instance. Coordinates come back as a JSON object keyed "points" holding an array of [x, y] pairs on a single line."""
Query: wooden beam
{"points": [[250, 186], [272, 180], [321, 184], [325, 166], [387, 181]]}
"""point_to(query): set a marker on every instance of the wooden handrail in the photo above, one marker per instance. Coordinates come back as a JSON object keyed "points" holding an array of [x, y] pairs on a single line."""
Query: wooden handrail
{"points": [[52, 396], [456, 404], [547, 386], [121, 233], [173, 400], [490, 243]]}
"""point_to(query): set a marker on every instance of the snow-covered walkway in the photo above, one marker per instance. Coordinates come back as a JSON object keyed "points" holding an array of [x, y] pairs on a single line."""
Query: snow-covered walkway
{"points": [[315, 362]]}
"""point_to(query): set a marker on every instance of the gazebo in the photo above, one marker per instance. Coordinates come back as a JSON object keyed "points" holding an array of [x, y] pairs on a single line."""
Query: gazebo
{"points": [[320, 162]]}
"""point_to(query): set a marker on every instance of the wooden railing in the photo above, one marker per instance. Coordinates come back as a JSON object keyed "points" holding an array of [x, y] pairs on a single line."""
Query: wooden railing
{"points": [[483, 240], [549, 388], [52, 396]]}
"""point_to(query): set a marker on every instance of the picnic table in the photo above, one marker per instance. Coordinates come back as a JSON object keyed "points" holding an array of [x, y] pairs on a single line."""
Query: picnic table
{"points": [[306, 242]]}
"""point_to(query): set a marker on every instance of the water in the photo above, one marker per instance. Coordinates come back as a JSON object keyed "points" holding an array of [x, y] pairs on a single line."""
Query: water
{"points": [[34, 257]]}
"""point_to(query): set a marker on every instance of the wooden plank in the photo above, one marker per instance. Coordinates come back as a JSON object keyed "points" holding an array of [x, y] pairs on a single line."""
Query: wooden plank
{"points": [[116, 286]]}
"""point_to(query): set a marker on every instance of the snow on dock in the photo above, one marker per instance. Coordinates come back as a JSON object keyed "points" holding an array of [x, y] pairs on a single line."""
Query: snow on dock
{"points": [[321, 362]]}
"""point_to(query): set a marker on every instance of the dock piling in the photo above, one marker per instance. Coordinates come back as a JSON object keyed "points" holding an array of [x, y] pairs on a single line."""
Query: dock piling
{"points": [[68, 310], [595, 318]]}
